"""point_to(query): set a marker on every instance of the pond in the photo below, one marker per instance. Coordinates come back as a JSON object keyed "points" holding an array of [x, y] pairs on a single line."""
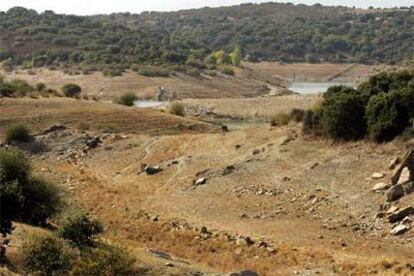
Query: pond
{"points": [[148, 103], [314, 87]]}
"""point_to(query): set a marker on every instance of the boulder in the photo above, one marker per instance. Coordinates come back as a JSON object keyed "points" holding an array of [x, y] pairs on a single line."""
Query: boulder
{"points": [[150, 170], [404, 177], [53, 129], [377, 175], [400, 214], [380, 187], [400, 229], [395, 193], [394, 163], [93, 142], [200, 181]]}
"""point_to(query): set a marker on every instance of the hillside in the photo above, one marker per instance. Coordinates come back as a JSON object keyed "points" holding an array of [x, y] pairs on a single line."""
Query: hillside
{"points": [[270, 31]]}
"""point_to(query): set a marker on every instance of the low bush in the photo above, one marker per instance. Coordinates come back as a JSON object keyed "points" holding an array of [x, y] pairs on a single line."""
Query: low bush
{"points": [[45, 255], [40, 87], [21, 87], [312, 122], [154, 72], [79, 229], [104, 260], [17, 133], [71, 90], [127, 99], [6, 89], [297, 114], [280, 119], [343, 117], [177, 109], [42, 200], [389, 114], [227, 70]]}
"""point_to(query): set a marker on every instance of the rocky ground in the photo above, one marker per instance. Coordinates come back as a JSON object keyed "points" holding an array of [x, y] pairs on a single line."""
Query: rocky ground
{"points": [[269, 200]]}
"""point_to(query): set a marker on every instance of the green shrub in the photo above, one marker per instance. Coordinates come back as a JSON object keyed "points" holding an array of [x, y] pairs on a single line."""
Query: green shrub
{"points": [[17, 133], [343, 116], [280, 119], [154, 72], [297, 114], [40, 87], [104, 260], [46, 255], [389, 114], [21, 87], [312, 122], [71, 90], [6, 89], [177, 109], [42, 200], [127, 99], [79, 229], [227, 70]]}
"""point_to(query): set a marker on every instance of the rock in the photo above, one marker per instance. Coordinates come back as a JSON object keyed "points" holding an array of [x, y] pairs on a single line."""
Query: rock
{"points": [[169, 264], [93, 142], [256, 152], [244, 241], [404, 177], [200, 181], [244, 216], [224, 128], [377, 175], [53, 129], [396, 192], [314, 165], [400, 214], [244, 273], [149, 170], [160, 254], [380, 187], [228, 170], [394, 163], [400, 229]]}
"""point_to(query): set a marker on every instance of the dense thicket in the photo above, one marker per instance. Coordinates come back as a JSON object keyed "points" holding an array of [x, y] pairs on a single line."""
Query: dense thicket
{"points": [[382, 107], [269, 31]]}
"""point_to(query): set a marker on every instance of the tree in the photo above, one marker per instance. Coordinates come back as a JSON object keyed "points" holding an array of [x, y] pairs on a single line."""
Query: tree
{"points": [[236, 57], [71, 90], [79, 229]]}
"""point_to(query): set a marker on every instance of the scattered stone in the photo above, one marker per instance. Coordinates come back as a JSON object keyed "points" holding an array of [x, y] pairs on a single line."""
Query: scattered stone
{"points": [[224, 128], [395, 193], [238, 146], [160, 254], [400, 229], [404, 177], [256, 152], [149, 170], [169, 264], [380, 187], [244, 273], [377, 175], [54, 128], [93, 142], [200, 181], [244, 216], [314, 165], [286, 179], [400, 214], [229, 169], [394, 163]]}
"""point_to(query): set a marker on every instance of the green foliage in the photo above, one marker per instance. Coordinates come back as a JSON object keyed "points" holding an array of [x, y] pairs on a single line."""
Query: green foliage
{"points": [[45, 255], [389, 114], [297, 114], [17, 133], [104, 260], [21, 87], [6, 89], [227, 70], [236, 57], [154, 72], [71, 90], [177, 109], [280, 119], [127, 99], [40, 86], [23, 197], [79, 229], [312, 122], [42, 200], [343, 116]]}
